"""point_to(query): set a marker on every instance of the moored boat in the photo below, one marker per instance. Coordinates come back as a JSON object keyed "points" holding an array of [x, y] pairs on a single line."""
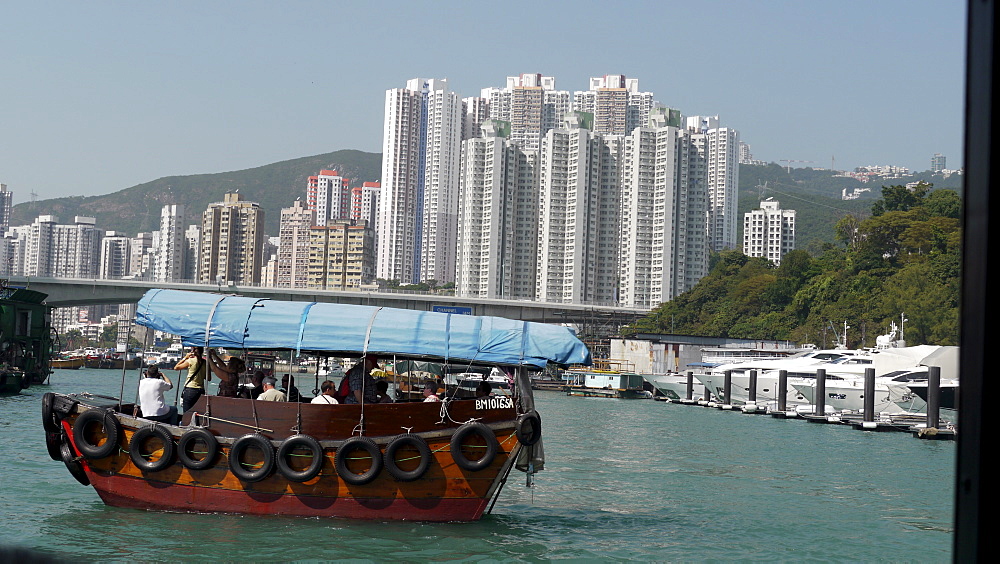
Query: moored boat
{"points": [[25, 339], [434, 461], [67, 363]]}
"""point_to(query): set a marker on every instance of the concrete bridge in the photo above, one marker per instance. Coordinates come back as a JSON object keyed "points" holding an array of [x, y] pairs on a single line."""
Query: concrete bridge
{"points": [[590, 319]]}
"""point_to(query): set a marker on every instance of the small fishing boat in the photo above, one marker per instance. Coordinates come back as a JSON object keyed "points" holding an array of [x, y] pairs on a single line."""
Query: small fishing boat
{"points": [[409, 460], [67, 363]]}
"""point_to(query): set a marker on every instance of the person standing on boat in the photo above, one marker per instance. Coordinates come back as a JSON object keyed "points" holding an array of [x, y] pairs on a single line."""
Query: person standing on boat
{"points": [[327, 392], [228, 372], [270, 392], [151, 402], [362, 385], [194, 385]]}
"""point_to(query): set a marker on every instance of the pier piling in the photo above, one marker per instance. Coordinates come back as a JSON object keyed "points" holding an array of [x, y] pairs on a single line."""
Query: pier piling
{"points": [[690, 385], [819, 399], [782, 390], [869, 414], [933, 397]]}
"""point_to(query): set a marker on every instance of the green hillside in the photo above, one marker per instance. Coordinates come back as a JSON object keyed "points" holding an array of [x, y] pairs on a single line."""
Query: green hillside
{"points": [[815, 195], [136, 209], [905, 258]]}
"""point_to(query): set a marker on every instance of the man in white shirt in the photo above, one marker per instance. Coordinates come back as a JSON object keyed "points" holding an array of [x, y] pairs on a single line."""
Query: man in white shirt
{"points": [[327, 389], [151, 402]]}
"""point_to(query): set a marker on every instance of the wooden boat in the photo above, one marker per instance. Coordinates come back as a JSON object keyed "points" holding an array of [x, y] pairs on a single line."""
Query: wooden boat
{"points": [[25, 339], [113, 363], [413, 460], [67, 363]]}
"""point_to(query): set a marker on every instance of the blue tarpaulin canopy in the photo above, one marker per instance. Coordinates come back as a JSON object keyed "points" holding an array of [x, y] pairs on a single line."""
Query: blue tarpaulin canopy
{"points": [[216, 320]]}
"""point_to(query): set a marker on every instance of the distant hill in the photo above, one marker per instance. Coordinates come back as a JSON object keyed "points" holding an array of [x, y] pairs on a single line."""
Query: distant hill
{"points": [[815, 195], [137, 209]]}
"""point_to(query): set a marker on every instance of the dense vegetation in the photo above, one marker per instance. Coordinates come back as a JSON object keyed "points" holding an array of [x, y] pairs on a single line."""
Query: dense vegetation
{"points": [[904, 259]]}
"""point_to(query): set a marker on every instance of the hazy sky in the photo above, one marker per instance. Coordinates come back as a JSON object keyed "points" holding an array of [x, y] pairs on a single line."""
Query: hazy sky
{"points": [[99, 96]]}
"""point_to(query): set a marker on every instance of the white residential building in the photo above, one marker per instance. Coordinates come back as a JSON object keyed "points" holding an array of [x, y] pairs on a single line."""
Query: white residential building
{"points": [[232, 239], [718, 149], [418, 205], [769, 232], [293, 246], [663, 250], [578, 215], [532, 106], [329, 196], [76, 249], [6, 204], [498, 224], [171, 245], [114, 255], [616, 103]]}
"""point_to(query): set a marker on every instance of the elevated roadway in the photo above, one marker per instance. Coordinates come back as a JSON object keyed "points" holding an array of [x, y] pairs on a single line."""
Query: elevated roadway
{"points": [[599, 319]]}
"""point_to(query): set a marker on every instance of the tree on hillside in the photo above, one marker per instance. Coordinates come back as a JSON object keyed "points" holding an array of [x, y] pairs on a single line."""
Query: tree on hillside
{"points": [[904, 259]]}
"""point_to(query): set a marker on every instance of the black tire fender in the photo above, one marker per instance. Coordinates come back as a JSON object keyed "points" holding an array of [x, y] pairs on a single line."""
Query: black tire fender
{"points": [[49, 419], [358, 443], [240, 445], [53, 443], [315, 465], [529, 428], [188, 440], [491, 447], [413, 441], [72, 464], [135, 451], [110, 426]]}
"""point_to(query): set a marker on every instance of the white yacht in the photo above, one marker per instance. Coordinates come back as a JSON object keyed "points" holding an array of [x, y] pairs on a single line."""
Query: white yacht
{"points": [[802, 365], [898, 372], [674, 385]]}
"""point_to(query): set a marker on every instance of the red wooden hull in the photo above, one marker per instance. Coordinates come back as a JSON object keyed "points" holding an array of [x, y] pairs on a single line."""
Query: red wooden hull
{"points": [[445, 491]]}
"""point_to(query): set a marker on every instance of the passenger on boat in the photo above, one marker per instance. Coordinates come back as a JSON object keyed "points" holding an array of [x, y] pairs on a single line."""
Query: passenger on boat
{"points": [[151, 402], [228, 372], [484, 390], [194, 385], [360, 381], [430, 392], [290, 390], [327, 390], [382, 392], [270, 392], [258, 386]]}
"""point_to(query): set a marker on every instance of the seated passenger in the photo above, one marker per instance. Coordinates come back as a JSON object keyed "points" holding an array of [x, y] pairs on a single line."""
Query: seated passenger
{"points": [[290, 390], [258, 386], [484, 390], [382, 392], [151, 401], [430, 392], [327, 392], [271, 393]]}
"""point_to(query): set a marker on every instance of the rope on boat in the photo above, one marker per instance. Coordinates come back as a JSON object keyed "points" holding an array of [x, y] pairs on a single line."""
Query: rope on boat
{"points": [[255, 427]]}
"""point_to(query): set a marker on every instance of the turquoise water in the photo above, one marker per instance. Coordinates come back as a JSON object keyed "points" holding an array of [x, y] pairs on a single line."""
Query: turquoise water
{"points": [[624, 480]]}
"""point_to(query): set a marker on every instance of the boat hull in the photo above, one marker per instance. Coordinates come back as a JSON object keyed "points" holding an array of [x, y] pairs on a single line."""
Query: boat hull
{"points": [[113, 363], [67, 364], [445, 491]]}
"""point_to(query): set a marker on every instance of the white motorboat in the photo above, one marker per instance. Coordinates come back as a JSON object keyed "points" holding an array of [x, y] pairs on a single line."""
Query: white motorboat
{"points": [[892, 394], [834, 361], [674, 386]]}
